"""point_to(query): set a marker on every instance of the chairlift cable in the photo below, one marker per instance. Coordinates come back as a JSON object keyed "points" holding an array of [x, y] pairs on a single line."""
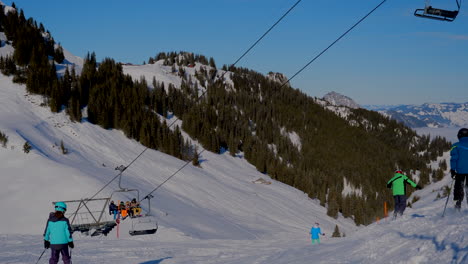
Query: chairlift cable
{"points": [[146, 148], [248, 50], [119, 174], [268, 31], [161, 184], [334, 42]]}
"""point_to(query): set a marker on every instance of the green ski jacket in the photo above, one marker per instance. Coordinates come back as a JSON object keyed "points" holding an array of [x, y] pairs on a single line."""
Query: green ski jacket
{"points": [[398, 184]]}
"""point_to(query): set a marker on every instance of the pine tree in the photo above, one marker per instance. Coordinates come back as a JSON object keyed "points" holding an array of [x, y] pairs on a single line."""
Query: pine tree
{"points": [[212, 63], [27, 147], [3, 139], [333, 205], [336, 233], [62, 148], [196, 158], [59, 56]]}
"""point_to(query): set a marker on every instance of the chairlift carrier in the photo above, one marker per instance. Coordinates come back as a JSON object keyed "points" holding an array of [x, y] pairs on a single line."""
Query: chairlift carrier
{"points": [[95, 219], [145, 225], [438, 14]]}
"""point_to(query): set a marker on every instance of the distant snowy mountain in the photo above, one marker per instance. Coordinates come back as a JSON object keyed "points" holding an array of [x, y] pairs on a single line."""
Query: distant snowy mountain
{"points": [[379, 107], [428, 115], [337, 99]]}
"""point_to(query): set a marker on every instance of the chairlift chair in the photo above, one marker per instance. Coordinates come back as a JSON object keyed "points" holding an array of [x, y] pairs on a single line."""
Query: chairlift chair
{"points": [[92, 219], [140, 225], [438, 14], [146, 224]]}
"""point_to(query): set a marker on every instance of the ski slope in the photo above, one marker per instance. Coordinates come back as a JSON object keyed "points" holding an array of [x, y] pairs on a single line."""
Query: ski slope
{"points": [[212, 214]]}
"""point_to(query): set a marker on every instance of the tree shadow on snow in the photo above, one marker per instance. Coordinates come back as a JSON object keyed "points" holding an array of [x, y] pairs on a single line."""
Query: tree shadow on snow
{"points": [[460, 254], [157, 261]]}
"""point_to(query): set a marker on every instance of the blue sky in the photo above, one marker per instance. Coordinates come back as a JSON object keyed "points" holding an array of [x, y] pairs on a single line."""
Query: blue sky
{"points": [[390, 58]]}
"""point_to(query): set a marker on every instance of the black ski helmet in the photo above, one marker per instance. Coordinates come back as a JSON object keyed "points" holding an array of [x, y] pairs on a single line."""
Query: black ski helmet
{"points": [[462, 133]]}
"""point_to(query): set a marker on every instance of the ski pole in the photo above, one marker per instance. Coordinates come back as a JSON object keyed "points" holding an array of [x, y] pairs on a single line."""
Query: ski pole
{"points": [[41, 255], [446, 202]]}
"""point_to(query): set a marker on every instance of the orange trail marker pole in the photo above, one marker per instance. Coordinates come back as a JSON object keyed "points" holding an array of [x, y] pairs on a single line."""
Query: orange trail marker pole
{"points": [[385, 210]]}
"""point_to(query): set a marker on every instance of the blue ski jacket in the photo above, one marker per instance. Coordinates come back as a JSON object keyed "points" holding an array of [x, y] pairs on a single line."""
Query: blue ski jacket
{"points": [[459, 156], [315, 232], [58, 231]]}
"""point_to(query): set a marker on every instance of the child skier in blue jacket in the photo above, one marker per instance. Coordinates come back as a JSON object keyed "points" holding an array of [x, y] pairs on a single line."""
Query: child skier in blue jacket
{"points": [[315, 233], [459, 166], [58, 235]]}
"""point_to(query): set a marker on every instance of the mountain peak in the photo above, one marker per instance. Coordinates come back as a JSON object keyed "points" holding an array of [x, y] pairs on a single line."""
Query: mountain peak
{"points": [[337, 99]]}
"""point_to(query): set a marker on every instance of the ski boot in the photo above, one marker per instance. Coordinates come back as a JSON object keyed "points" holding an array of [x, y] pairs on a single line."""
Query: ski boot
{"points": [[458, 205]]}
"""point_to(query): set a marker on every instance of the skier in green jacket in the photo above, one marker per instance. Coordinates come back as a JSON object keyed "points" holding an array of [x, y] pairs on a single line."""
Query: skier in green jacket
{"points": [[398, 185]]}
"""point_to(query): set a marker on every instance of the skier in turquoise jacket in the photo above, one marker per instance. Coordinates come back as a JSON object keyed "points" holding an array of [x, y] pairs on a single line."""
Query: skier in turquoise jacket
{"points": [[58, 235], [398, 185], [459, 166], [315, 233]]}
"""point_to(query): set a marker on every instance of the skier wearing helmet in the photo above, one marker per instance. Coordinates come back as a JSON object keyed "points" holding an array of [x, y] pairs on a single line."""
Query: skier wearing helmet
{"points": [[58, 235], [459, 166], [398, 186], [315, 233]]}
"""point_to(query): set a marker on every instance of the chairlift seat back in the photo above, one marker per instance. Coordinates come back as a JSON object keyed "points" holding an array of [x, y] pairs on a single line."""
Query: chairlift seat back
{"points": [[436, 13]]}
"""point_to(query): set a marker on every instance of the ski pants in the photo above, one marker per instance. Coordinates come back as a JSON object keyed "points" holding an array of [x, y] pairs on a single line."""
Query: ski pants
{"points": [[458, 190], [55, 255], [315, 240], [400, 204], [114, 212]]}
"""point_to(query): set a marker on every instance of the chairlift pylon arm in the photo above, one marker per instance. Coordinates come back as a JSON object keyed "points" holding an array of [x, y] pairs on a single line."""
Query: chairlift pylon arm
{"points": [[103, 209], [84, 204]]}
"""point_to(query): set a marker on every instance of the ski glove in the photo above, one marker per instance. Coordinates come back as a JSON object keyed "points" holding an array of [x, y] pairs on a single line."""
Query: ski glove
{"points": [[70, 244], [418, 187], [453, 173], [46, 244]]}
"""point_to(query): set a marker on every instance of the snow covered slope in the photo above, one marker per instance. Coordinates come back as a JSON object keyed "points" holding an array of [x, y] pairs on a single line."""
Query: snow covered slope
{"points": [[6, 49], [216, 202], [213, 214], [421, 236], [165, 74]]}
